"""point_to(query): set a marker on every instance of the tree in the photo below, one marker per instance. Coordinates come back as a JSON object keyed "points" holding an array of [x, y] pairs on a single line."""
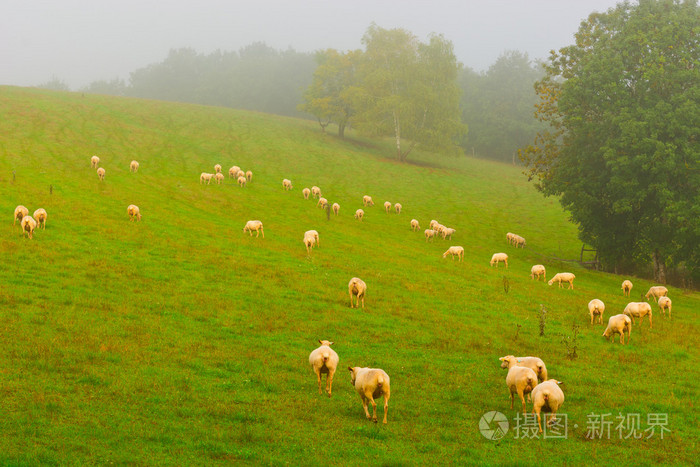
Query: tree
{"points": [[623, 109], [408, 90]]}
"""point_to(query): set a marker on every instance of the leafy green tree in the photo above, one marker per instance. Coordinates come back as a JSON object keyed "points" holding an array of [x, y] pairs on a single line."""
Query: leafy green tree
{"points": [[622, 150]]}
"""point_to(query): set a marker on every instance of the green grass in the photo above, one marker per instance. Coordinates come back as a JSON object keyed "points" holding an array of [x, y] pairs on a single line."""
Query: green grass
{"points": [[181, 340]]}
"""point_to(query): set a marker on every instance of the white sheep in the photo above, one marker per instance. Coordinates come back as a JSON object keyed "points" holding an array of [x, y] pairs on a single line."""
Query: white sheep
{"points": [[433, 224], [454, 251], [626, 288], [397, 208], [40, 218], [447, 232], [415, 226], [256, 226], [28, 225], [538, 270], [94, 162], [315, 192], [336, 208], [665, 304], [20, 212], [357, 288], [219, 177], [520, 380], [359, 214], [387, 206], [509, 238], [242, 181], [518, 241], [534, 363], [324, 360], [310, 240], [499, 257], [429, 234], [370, 384], [134, 166], [638, 310], [596, 308], [656, 292], [286, 184], [547, 397], [233, 171], [563, 277], [217, 168], [205, 177], [306, 192], [322, 202], [101, 173], [618, 324], [134, 212], [249, 175], [367, 201], [240, 174]]}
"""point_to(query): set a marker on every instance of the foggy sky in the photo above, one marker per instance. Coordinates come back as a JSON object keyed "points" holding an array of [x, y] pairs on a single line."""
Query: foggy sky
{"points": [[81, 41]]}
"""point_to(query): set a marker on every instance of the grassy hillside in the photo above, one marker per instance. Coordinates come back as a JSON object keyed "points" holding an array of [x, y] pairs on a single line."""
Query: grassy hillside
{"points": [[181, 340]]}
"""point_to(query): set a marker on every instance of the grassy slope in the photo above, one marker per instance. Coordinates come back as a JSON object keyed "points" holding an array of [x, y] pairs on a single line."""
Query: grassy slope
{"points": [[179, 339]]}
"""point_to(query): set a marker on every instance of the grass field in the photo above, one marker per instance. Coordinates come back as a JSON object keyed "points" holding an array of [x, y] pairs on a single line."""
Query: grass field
{"points": [[180, 340]]}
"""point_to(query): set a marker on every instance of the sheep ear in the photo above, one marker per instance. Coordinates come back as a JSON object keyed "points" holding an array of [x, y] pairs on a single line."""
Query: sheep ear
{"points": [[350, 368], [502, 358], [320, 342], [331, 343]]}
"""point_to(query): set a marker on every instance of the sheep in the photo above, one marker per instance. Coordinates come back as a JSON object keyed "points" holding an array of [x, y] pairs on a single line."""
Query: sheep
{"points": [[249, 175], [656, 292], [665, 304], [306, 192], [310, 240], [538, 270], [205, 177], [429, 234], [233, 171], [367, 201], [286, 184], [509, 238], [358, 288], [315, 192], [254, 225], [520, 380], [626, 288], [638, 310], [28, 225], [134, 212], [563, 277], [217, 168], [101, 173], [324, 360], [94, 162], [359, 214], [40, 218], [322, 202], [498, 257], [415, 226], [219, 177], [534, 363], [439, 229], [387, 206], [518, 241], [240, 174], [433, 224], [547, 397], [336, 208], [618, 324], [370, 384], [596, 308], [242, 181], [447, 232], [134, 166], [454, 251], [397, 208], [20, 212]]}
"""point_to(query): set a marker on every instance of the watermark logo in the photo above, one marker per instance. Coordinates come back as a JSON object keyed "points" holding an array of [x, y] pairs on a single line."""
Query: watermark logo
{"points": [[493, 425]]}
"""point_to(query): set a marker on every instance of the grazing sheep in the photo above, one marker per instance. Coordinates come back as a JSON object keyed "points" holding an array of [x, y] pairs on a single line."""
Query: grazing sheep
{"points": [[101, 173], [415, 226], [596, 308], [233, 171], [638, 310], [242, 181], [249, 175], [538, 270], [499, 257], [286, 184], [254, 225], [205, 177], [28, 225], [518, 241], [447, 232], [20, 212], [429, 234], [134, 212], [547, 397], [439, 229], [306, 192], [94, 162], [520, 380], [134, 166], [618, 324], [563, 277], [370, 384], [315, 192], [310, 240], [509, 238], [656, 292], [665, 304], [40, 218], [336, 208], [322, 202], [454, 251], [397, 208], [358, 288], [240, 174], [324, 360], [387, 206], [626, 288], [534, 363], [217, 168], [359, 214], [219, 177], [433, 224], [367, 201]]}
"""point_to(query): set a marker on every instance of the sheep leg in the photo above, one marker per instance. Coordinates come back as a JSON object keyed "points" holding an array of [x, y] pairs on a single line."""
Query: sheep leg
{"points": [[364, 405], [363, 303], [539, 422], [591, 318], [351, 304], [374, 404], [262, 232], [329, 382], [318, 377], [649, 320], [522, 398], [511, 400], [386, 406]]}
